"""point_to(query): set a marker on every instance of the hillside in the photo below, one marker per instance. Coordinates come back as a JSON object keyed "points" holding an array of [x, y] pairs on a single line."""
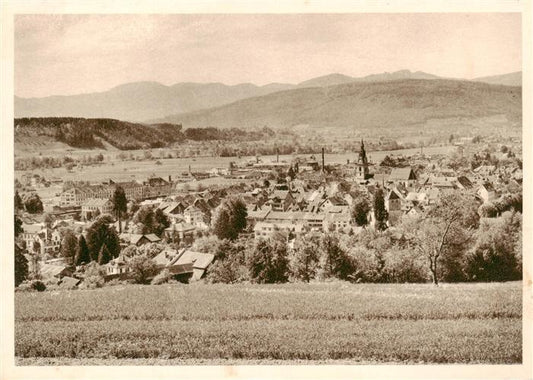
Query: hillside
{"points": [[511, 79], [94, 133], [140, 101], [363, 105]]}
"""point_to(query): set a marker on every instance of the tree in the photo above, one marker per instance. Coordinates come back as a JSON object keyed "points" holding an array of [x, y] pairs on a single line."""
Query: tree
{"points": [[94, 276], [18, 226], [120, 205], [21, 266], [230, 219], [33, 204], [104, 256], [82, 252], [446, 231], [142, 268], [380, 213], [69, 246], [334, 262], [496, 255], [98, 234], [267, 262], [304, 260], [145, 216], [291, 173], [360, 210], [161, 222], [35, 263], [19, 205]]}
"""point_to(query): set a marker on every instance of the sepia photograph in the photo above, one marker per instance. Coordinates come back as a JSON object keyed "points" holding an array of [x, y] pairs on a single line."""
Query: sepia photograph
{"points": [[204, 189]]}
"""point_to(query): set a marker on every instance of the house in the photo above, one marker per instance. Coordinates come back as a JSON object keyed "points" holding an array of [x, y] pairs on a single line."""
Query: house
{"points": [[67, 283], [52, 271], [280, 200], [267, 229], [93, 206], [486, 192], [182, 231], [393, 200], [200, 262], [139, 239], [404, 176], [156, 187], [194, 216], [337, 221]]}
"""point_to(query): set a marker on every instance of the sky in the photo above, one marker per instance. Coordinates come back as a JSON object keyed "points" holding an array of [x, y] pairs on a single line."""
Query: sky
{"points": [[73, 54]]}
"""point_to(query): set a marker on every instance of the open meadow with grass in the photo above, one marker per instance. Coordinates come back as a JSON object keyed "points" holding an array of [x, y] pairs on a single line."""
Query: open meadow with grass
{"points": [[331, 322]]}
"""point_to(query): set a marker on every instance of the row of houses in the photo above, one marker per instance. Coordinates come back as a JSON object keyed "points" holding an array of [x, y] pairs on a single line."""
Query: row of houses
{"points": [[79, 195]]}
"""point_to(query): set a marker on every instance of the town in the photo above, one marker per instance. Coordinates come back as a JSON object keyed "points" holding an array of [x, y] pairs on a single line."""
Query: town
{"points": [[297, 210]]}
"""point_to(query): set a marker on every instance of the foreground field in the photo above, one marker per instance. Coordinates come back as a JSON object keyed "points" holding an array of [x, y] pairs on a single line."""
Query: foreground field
{"points": [[323, 322]]}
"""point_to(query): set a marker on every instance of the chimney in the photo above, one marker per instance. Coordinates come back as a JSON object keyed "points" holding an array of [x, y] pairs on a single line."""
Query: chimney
{"points": [[169, 178], [277, 154], [322, 159]]}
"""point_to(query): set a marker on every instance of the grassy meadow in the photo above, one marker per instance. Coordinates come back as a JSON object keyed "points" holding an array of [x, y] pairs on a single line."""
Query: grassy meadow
{"points": [[289, 323]]}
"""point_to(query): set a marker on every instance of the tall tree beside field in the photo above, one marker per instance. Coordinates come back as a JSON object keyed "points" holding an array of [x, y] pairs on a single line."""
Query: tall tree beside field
{"points": [[98, 234], [446, 231], [380, 212], [69, 246], [21, 266], [230, 219], [334, 261], [120, 205], [496, 255], [267, 262], [304, 259], [142, 268], [104, 256], [82, 252]]}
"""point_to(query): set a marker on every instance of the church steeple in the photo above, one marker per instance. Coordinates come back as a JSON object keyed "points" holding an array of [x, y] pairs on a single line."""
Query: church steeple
{"points": [[362, 154], [362, 171]]}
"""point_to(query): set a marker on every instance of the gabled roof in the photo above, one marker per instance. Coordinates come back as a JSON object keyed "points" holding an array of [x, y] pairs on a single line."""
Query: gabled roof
{"points": [[465, 182], [402, 174], [153, 238], [199, 260], [279, 194]]}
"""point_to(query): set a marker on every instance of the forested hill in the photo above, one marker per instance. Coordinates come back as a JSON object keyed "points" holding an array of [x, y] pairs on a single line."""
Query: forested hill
{"points": [[391, 104], [95, 133], [91, 133]]}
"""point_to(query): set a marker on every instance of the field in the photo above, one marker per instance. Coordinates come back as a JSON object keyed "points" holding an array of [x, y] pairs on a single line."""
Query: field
{"points": [[119, 170], [291, 323]]}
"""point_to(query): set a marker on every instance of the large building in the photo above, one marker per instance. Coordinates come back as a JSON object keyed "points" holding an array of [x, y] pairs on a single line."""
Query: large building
{"points": [[78, 195]]}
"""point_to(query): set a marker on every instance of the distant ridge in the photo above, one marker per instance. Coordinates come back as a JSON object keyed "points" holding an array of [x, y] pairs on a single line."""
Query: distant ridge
{"points": [[511, 79], [390, 104], [142, 101]]}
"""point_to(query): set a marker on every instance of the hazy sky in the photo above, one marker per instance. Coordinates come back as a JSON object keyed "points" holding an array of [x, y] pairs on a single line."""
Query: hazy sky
{"points": [[70, 54]]}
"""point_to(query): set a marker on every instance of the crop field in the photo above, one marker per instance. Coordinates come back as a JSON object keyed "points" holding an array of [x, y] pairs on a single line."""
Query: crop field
{"points": [[140, 170], [290, 323]]}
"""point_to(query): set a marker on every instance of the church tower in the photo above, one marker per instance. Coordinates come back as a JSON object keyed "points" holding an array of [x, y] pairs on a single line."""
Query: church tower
{"points": [[361, 170]]}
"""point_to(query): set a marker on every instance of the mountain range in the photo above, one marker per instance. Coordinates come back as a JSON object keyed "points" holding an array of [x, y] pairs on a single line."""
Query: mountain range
{"points": [[145, 101], [364, 105]]}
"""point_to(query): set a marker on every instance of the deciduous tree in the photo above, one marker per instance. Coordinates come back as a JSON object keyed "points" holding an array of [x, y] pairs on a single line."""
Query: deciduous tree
{"points": [[120, 205]]}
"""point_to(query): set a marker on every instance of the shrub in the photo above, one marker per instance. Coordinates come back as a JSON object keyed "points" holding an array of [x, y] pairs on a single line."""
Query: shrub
{"points": [[94, 276], [163, 277]]}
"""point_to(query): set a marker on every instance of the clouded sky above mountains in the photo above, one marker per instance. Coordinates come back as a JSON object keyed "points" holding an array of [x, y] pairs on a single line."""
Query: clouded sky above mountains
{"points": [[71, 54]]}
